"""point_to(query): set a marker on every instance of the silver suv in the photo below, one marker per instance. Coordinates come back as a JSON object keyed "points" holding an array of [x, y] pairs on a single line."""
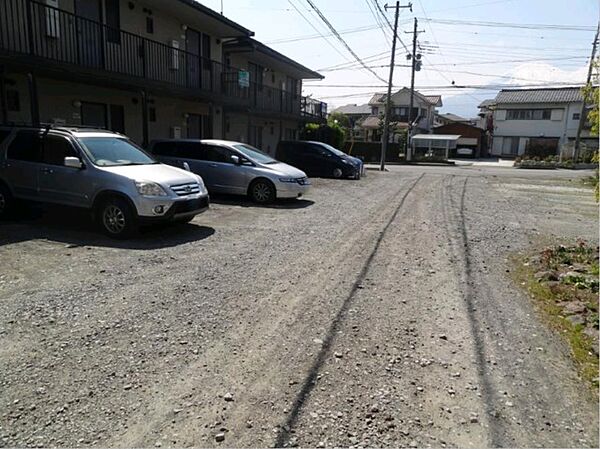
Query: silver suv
{"points": [[99, 170]]}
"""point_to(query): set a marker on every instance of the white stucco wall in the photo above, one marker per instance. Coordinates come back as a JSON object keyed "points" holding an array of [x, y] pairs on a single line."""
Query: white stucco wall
{"points": [[561, 121]]}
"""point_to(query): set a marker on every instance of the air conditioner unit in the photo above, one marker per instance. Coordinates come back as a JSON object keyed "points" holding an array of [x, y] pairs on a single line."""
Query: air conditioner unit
{"points": [[175, 132], [52, 19], [175, 54]]}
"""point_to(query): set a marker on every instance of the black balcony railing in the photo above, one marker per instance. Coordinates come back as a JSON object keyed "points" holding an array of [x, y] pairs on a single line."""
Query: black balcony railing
{"points": [[37, 30], [312, 108]]}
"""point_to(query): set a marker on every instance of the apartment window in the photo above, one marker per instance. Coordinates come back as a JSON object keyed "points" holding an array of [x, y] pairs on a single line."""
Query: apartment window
{"points": [[149, 25], [13, 103], [152, 114], [510, 146], [576, 116], [113, 21], [528, 114], [94, 114]]}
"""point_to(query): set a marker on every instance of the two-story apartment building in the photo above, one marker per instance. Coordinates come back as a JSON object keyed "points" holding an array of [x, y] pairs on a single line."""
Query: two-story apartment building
{"points": [[424, 111], [546, 118], [146, 68], [276, 83]]}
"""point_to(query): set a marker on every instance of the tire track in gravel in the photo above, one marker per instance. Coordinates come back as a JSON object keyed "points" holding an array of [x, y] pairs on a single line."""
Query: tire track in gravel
{"points": [[265, 372], [311, 377], [463, 271], [530, 393], [151, 290]]}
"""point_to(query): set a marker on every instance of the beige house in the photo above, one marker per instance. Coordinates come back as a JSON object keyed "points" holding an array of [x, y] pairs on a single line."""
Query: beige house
{"points": [[149, 69], [424, 111]]}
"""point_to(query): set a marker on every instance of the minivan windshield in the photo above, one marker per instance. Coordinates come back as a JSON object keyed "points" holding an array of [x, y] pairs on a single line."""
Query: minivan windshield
{"points": [[115, 151], [333, 150], [255, 154]]}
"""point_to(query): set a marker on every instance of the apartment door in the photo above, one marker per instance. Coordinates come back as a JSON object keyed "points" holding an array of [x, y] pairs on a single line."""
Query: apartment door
{"points": [[193, 57], [255, 137], [199, 126], [199, 63], [89, 32], [256, 82], [194, 126], [117, 118], [94, 114]]}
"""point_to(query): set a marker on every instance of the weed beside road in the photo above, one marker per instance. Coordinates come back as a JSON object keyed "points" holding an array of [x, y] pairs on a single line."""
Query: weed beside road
{"points": [[564, 282]]}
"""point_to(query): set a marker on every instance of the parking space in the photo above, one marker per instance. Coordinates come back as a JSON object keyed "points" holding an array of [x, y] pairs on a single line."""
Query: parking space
{"points": [[254, 318]]}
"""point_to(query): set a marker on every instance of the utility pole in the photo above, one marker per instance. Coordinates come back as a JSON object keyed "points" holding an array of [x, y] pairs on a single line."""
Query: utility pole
{"points": [[388, 101], [415, 67], [582, 113]]}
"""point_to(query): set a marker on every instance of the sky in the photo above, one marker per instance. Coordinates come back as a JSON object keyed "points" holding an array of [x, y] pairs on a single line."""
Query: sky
{"points": [[454, 51]]}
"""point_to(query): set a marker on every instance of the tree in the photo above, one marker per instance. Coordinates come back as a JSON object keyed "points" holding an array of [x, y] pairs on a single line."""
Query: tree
{"points": [[337, 118], [333, 135], [591, 97]]}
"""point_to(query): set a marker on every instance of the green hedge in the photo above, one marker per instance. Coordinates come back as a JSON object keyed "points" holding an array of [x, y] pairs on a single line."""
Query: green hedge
{"points": [[370, 152]]}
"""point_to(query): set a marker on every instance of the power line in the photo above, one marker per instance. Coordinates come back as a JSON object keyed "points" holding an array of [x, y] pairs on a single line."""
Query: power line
{"points": [[390, 24], [472, 5], [318, 36], [462, 63], [341, 39], [528, 26], [317, 30], [455, 87], [378, 21]]}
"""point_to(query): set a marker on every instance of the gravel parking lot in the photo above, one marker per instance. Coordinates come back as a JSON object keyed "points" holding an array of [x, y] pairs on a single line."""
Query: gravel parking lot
{"points": [[377, 312]]}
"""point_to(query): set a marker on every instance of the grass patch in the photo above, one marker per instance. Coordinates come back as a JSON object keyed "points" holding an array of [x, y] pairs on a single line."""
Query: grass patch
{"points": [[567, 299]]}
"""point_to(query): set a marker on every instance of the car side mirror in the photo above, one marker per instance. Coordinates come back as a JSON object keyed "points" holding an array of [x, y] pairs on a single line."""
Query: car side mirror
{"points": [[236, 159], [73, 162]]}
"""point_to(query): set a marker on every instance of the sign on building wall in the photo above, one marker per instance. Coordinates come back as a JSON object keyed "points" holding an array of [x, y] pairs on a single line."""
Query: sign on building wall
{"points": [[244, 78]]}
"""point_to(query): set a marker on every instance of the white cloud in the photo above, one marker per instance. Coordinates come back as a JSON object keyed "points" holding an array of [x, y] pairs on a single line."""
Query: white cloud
{"points": [[546, 73]]}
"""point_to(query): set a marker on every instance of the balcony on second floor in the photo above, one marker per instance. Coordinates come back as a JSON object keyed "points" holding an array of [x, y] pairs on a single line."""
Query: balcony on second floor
{"points": [[45, 38]]}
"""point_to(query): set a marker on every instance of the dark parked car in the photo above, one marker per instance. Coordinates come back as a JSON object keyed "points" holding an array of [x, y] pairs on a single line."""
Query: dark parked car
{"points": [[319, 159]]}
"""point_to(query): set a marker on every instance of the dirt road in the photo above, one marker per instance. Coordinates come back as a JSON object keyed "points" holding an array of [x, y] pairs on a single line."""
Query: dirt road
{"points": [[377, 312]]}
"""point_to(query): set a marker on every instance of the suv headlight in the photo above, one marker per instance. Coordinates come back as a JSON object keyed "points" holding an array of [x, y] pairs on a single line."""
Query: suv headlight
{"points": [[345, 161], [288, 179], [149, 188]]}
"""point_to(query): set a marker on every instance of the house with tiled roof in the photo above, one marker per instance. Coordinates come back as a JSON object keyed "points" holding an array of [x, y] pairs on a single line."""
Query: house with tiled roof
{"points": [[544, 119], [448, 118], [424, 111]]}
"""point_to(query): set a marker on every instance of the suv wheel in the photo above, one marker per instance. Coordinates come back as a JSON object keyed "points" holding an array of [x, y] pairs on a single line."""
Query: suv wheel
{"points": [[262, 191], [337, 173], [116, 218], [6, 201]]}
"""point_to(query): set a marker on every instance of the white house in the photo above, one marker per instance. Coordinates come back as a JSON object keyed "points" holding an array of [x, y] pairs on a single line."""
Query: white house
{"points": [[527, 118]]}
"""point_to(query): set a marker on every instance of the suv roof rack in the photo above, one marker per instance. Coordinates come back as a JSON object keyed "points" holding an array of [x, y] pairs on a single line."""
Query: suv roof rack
{"points": [[67, 127]]}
